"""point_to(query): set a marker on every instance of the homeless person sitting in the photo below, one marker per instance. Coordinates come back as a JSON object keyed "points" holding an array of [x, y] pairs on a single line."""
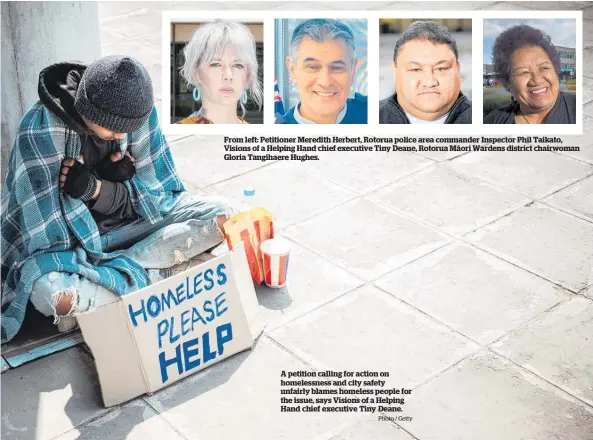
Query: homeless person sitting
{"points": [[93, 207]]}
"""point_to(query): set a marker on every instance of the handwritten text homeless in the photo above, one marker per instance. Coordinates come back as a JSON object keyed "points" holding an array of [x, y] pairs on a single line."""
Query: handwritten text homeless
{"points": [[200, 311]]}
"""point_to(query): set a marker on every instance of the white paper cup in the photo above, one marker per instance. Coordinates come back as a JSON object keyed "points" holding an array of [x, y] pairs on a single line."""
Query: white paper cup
{"points": [[275, 255]]}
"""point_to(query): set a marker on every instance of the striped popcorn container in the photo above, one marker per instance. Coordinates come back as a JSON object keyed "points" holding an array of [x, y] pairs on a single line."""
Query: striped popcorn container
{"points": [[275, 252], [250, 228]]}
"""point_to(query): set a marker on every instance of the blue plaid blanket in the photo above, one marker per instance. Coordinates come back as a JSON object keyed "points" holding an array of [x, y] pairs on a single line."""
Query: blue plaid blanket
{"points": [[45, 230]]}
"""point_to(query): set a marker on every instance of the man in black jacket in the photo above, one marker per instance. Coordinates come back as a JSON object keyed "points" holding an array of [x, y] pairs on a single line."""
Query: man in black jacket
{"points": [[427, 79]]}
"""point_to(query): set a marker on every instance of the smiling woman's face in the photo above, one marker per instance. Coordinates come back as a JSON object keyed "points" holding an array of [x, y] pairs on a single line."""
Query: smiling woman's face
{"points": [[223, 79], [533, 80]]}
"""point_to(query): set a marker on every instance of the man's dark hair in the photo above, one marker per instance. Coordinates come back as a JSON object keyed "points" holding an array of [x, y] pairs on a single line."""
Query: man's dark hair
{"points": [[429, 31], [515, 38]]}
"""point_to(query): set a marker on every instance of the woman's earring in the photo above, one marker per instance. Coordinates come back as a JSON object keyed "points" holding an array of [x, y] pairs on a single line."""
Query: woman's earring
{"points": [[244, 97], [197, 93]]}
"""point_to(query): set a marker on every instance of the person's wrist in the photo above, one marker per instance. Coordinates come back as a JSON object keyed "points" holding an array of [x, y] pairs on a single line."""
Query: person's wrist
{"points": [[97, 190]]}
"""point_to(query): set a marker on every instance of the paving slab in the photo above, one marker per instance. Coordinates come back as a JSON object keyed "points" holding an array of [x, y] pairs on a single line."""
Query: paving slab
{"points": [[544, 241], [379, 168], [171, 138], [137, 23], [587, 34], [488, 398], [199, 161], [366, 239], [440, 156], [507, 6], [412, 348], [50, 396], [587, 90], [311, 282], [588, 109], [373, 429], [134, 421], [551, 6], [557, 346], [449, 199], [577, 199], [399, 5], [585, 142], [110, 38], [473, 292], [288, 191], [410, 6], [587, 60], [534, 174], [239, 398], [133, 22], [329, 6], [111, 9], [136, 8], [462, 5], [132, 10]]}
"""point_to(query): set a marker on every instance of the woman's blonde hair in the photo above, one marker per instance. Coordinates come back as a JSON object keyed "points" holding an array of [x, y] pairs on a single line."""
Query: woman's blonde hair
{"points": [[210, 40]]}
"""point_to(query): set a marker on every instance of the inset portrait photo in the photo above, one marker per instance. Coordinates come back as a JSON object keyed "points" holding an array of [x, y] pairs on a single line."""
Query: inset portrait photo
{"points": [[217, 72], [321, 71], [530, 71], [425, 71]]}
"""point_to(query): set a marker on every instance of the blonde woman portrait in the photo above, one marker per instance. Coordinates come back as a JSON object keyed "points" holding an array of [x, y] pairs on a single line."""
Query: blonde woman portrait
{"points": [[220, 69]]}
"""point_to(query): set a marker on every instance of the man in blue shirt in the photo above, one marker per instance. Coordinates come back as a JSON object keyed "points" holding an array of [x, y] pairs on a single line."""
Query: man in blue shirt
{"points": [[322, 66]]}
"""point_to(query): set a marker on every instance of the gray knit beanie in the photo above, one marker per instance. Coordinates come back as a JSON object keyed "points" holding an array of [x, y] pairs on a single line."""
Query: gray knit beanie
{"points": [[115, 92]]}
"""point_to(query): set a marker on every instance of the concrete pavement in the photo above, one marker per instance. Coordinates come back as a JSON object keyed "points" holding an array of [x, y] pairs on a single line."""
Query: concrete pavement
{"points": [[469, 277]]}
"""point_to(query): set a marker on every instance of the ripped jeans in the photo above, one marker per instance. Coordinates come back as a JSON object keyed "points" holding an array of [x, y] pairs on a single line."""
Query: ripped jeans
{"points": [[189, 229]]}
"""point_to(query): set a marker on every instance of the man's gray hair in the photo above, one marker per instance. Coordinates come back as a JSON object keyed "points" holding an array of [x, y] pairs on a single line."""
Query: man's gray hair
{"points": [[429, 31], [321, 30]]}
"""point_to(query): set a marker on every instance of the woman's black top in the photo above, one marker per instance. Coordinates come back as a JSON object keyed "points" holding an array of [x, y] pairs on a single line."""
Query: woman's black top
{"points": [[563, 112]]}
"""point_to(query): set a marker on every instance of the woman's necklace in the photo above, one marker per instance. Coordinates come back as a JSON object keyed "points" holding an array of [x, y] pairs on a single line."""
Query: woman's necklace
{"points": [[525, 117]]}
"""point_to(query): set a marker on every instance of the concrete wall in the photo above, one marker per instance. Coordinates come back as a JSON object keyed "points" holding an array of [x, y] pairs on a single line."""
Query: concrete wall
{"points": [[35, 35]]}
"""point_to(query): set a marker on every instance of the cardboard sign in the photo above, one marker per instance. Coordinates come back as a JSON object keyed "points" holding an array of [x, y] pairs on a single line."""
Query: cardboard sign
{"points": [[160, 334]]}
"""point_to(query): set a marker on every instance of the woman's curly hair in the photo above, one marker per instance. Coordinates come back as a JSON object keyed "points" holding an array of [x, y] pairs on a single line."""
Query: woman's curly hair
{"points": [[515, 38]]}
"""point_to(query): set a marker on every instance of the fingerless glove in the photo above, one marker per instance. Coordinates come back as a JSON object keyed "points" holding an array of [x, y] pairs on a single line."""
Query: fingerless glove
{"points": [[80, 182], [119, 171]]}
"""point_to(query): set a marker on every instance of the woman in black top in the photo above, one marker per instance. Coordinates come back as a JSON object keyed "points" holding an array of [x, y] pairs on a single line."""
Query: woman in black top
{"points": [[528, 65]]}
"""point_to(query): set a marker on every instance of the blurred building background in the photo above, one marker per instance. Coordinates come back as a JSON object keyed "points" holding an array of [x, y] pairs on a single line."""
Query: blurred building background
{"points": [[182, 101], [567, 62], [390, 30], [398, 25]]}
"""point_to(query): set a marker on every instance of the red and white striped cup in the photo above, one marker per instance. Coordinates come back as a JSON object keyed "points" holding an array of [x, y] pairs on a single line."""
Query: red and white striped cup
{"points": [[275, 253]]}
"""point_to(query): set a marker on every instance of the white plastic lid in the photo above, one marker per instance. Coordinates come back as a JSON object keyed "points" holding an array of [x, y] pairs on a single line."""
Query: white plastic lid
{"points": [[276, 246]]}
